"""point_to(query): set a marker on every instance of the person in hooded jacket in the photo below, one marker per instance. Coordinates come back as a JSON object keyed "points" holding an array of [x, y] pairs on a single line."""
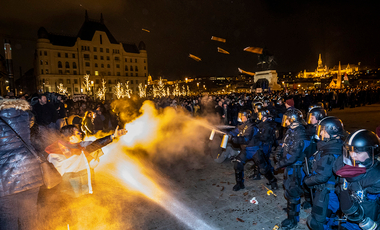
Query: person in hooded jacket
{"points": [[359, 182], [321, 177], [20, 172]]}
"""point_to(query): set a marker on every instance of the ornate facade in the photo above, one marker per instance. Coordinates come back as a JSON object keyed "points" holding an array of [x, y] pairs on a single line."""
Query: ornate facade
{"points": [[65, 60]]}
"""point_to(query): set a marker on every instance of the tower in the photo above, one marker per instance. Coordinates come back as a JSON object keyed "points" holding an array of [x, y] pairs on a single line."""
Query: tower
{"points": [[339, 78], [320, 62]]}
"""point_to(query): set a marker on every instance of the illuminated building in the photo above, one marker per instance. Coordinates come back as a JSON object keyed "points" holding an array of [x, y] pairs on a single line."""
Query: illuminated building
{"points": [[65, 60], [324, 72]]}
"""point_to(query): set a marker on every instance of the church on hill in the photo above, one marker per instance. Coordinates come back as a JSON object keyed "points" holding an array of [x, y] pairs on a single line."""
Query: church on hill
{"points": [[64, 60]]}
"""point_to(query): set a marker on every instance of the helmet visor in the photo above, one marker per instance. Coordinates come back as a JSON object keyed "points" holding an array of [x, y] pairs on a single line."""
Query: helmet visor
{"points": [[309, 118], [259, 116], [320, 132], [359, 157]]}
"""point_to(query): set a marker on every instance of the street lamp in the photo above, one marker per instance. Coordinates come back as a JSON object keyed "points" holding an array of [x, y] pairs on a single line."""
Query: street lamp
{"points": [[93, 93]]}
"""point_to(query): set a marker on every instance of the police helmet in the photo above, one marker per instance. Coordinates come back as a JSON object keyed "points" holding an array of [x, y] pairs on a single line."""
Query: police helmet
{"points": [[331, 125], [318, 113], [263, 113], [316, 105], [293, 116], [246, 112], [361, 142]]}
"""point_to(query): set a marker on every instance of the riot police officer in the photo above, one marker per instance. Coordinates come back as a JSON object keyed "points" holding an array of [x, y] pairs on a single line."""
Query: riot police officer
{"points": [[291, 157], [359, 190], [329, 148], [242, 135], [259, 148], [315, 115]]}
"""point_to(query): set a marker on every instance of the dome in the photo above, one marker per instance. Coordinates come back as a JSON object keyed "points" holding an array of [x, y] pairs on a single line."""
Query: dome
{"points": [[142, 46], [42, 33]]}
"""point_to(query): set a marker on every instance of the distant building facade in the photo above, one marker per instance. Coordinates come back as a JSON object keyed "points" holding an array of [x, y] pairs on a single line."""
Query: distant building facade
{"points": [[94, 51], [325, 72]]}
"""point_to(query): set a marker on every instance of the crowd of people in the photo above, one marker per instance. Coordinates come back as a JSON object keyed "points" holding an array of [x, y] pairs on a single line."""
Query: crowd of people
{"points": [[283, 131]]}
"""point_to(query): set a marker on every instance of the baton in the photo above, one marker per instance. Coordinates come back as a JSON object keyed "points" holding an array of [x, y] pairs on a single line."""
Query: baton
{"points": [[308, 173]]}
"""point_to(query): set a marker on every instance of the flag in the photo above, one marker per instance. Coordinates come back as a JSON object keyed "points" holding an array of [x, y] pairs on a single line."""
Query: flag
{"points": [[145, 30], [256, 50], [246, 72], [195, 57], [220, 50], [218, 39]]}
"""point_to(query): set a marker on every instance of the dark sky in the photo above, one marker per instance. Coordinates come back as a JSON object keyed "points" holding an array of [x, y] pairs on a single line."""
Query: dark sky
{"points": [[294, 31]]}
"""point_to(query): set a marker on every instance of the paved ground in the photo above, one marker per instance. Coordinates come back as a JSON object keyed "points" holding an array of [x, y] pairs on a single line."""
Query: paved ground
{"points": [[205, 189]]}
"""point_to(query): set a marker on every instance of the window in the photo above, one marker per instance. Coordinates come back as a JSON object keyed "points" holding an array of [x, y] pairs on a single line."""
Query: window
{"points": [[107, 50], [45, 53], [40, 53], [60, 80], [59, 64], [145, 75], [96, 57], [96, 64], [131, 59], [69, 89], [126, 74], [73, 55], [109, 89], [67, 65], [86, 56], [42, 71], [87, 64], [46, 63], [144, 67], [109, 82], [118, 74], [132, 82], [41, 62], [126, 68], [68, 81], [108, 58], [87, 72], [47, 71], [144, 60], [117, 59], [126, 59], [145, 82], [102, 65], [60, 71], [76, 89], [136, 69], [135, 60], [75, 81], [108, 66], [97, 81], [101, 49], [131, 68], [96, 72], [74, 65], [67, 72], [59, 54], [66, 55], [117, 66], [137, 75], [109, 73], [75, 72], [95, 49], [137, 82], [101, 42]]}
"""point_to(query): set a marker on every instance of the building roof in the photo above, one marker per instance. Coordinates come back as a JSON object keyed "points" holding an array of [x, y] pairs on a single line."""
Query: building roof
{"points": [[62, 40], [130, 48], [89, 28]]}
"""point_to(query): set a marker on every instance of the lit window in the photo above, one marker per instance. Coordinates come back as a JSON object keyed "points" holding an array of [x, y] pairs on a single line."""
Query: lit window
{"points": [[96, 73]]}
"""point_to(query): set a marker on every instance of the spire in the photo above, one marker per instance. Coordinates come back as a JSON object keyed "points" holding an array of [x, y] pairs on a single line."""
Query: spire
{"points": [[101, 18], [320, 61], [339, 78], [86, 16]]}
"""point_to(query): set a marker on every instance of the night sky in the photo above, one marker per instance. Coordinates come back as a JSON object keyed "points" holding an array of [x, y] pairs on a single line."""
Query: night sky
{"points": [[294, 31]]}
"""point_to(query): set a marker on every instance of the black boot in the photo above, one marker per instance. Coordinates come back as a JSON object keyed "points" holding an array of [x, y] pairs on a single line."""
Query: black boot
{"points": [[239, 181], [293, 215], [307, 194], [272, 181], [256, 174]]}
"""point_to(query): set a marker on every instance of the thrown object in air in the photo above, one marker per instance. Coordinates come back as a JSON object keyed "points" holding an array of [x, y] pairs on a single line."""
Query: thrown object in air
{"points": [[212, 135], [246, 72], [220, 50], [256, 50], [195, 57], [218, 39]]}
